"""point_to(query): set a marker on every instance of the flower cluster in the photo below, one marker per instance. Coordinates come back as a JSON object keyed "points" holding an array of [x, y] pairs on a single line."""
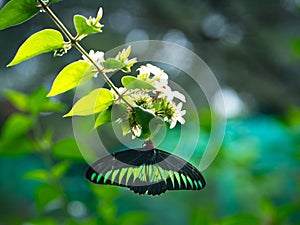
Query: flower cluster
{"points": [[148, 91], [161, 101]]}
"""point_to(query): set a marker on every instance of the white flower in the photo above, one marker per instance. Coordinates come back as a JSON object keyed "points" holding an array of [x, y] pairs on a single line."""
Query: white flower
{"points": [[97, 57], [159, 81], [164, 90], [146, 71], [177, 114]]}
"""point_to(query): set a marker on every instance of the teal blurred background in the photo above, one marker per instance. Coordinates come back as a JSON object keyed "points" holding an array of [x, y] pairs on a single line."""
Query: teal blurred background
{"points": [[253, 48]]}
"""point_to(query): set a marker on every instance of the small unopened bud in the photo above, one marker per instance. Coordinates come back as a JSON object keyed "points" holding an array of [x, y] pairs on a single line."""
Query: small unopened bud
{"points": [[99, 15]]}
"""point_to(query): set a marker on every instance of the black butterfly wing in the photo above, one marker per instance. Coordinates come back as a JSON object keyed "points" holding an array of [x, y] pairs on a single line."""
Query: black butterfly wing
{"points": [[182, 174], [116, 169], [146, 172]]}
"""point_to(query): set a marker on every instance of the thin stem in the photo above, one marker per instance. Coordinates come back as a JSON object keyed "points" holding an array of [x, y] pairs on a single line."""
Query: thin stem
{"points": [[57, 21], [74, 42], [105, 77]]}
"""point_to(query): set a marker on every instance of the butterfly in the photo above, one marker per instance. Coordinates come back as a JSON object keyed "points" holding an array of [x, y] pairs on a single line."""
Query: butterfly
{"points": [[146, 170]]}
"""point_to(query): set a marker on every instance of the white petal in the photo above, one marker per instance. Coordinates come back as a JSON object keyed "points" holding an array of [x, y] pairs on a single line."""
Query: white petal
{"points": [[179, 106], [164, 76], [100, 13], [178, 95], [99, 55], [169, 97], [181, 120], [182, 113], [161, 84], [154, 69], [143, 70], [173, 124]]}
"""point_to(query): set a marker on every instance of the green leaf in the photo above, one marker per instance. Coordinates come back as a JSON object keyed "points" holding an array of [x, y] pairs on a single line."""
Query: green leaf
{"points": [[90, 221], [17, 99], [287, 211], [119, 110], [60, 169], [71, 76], [15, 126], [38, 102], [96, 101], [23, 146], [82, 27], [133, 218], [240, 219], [108, 212], [296, 46], [267, 207], [44, 221], [106, 193], [53, 106], [67, 149], [35, 103], [16, 12], [39, 175], [46, 194], [144, 117], [130, 82], [112, 63], [103, 118], [125, 127], [41, 42]]}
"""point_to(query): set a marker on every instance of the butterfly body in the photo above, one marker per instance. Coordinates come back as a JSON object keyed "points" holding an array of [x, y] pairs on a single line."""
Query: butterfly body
{"points": [[146, 170]]}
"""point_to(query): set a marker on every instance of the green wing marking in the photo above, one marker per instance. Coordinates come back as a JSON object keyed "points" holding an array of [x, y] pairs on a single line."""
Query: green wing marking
{"points": [[113, 176], [156, 174], [93, 176], [178, 178], [99, 177], [190, 181], [136, 172], [199, 181], [143, 175], [164, 174], [171, 175], [122, 173], [106, 176], [196, 184], [150, 172], [130, 170], [184, 180]]}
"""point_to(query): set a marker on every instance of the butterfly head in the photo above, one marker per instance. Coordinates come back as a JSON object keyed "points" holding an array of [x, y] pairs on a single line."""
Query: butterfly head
{"points": [[148, 145]]}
